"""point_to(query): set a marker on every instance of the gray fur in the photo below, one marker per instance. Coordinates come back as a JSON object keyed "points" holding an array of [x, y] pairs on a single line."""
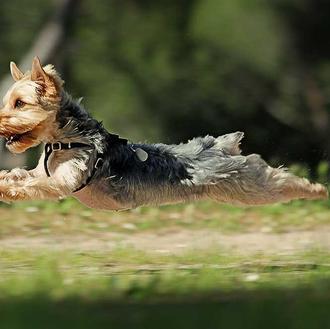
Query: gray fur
{"points": [[205, 167]]}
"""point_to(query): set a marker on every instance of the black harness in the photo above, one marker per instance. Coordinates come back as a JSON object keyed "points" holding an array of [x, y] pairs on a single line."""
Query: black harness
{"points": [[59, 146]]}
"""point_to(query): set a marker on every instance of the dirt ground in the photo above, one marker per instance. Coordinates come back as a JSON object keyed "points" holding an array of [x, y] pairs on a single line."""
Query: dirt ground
{"points": [[179, 241]]}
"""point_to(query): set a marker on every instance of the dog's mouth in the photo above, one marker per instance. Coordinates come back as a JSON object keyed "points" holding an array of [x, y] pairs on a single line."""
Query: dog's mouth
{"points": [[16, 138]]}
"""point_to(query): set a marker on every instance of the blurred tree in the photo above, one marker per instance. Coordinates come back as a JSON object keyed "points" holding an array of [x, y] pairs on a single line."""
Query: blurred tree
{"points": [[308, 73], [170, 70], [201, 67]]}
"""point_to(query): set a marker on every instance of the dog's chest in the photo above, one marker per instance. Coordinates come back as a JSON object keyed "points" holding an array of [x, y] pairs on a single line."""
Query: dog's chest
{"points": [[67, 166]]}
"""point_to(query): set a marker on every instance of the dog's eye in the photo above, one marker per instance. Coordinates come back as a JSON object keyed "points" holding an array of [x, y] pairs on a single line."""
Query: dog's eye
{"points": [[19, 103]]}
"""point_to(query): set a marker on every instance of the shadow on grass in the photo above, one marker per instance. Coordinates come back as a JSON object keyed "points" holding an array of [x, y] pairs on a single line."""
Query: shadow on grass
{"points": [[268, 309]]}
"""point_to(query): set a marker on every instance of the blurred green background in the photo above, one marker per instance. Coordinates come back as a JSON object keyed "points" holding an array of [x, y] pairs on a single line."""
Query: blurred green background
{"points": [[166, 71], [170, 70]]}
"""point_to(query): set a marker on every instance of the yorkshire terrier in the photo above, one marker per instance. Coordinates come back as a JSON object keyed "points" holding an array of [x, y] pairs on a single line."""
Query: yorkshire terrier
{"points": [[81, 158]]}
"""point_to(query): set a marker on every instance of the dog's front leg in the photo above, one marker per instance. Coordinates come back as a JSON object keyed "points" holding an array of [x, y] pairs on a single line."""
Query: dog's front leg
{"points": [[15, 174], [32, 188], [21, 174]]}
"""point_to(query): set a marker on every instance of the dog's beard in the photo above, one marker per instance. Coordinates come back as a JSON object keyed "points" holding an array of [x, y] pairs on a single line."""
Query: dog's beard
{"points": [[22, 130]]}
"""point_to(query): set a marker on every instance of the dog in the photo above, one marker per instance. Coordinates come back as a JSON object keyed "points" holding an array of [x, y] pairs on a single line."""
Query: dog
{"points": [[82, 159]]}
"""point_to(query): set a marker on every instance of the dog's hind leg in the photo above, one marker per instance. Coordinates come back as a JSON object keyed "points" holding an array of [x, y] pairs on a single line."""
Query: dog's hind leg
{"points": [[255, 183]]}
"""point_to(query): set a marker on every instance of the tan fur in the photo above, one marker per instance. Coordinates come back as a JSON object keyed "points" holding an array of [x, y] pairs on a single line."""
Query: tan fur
{"points": [[93, 197], [36, 119], [39, 89], [16, 73]]}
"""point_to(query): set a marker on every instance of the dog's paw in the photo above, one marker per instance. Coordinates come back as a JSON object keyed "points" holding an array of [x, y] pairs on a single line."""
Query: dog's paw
{"points": [[4, 199], [13, 175], [3, 174], [6, 191], [7, 195]]}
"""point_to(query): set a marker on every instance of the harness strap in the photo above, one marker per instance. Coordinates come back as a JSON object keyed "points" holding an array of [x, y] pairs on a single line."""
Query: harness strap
{"points": [[58, 146], [98, 164], [112, 138]]}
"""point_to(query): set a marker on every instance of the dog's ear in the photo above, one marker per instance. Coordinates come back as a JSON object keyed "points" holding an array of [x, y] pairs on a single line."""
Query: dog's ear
{"points": [[37, 72], [16, 73]]}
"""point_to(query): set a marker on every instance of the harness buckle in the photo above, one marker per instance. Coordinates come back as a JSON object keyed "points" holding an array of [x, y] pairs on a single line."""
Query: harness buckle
{"points": [[56, 146]]}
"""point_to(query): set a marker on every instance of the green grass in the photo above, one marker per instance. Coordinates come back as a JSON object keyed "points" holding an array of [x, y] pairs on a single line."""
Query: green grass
{"points": [[130, 289], [48, 286], [71, 217], [132, 274]]}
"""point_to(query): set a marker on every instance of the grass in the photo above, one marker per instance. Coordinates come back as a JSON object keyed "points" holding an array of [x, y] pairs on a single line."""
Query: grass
{"points": [[70, 217], [135, 275], [49, 286], [130, 289]]}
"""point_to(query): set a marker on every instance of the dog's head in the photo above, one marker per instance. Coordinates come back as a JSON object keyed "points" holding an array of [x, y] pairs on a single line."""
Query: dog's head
{"points": [[28, 115]]}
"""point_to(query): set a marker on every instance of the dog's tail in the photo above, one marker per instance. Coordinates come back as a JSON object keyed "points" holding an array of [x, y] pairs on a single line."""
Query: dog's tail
{"points": [[230, 143]]}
